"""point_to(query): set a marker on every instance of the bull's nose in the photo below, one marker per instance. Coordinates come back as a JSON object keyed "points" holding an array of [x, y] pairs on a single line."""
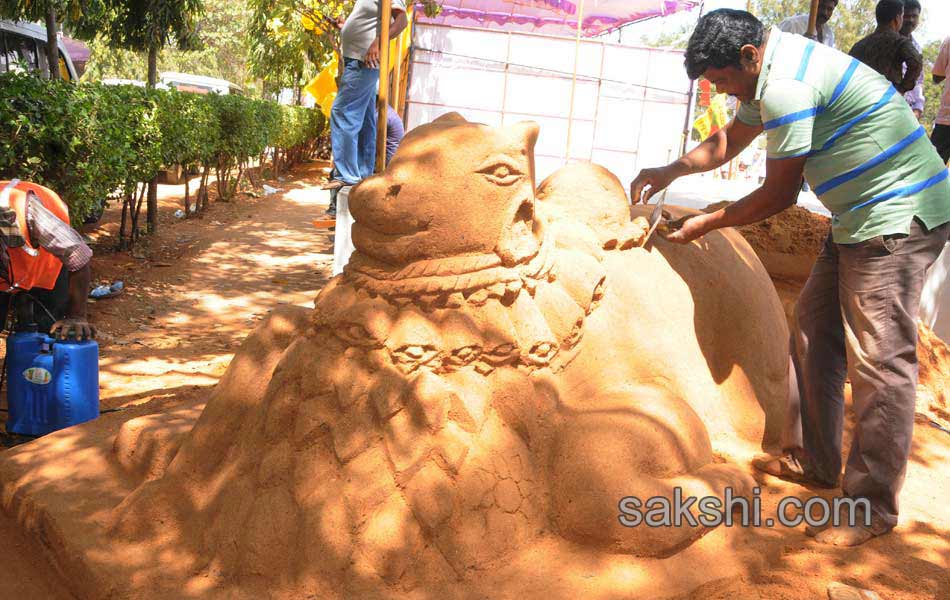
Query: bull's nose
{"points": [[366, 195]]}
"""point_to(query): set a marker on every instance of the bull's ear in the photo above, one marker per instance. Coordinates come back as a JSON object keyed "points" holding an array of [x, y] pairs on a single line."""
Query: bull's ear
{"points": [[451, 117], [527, 131]]}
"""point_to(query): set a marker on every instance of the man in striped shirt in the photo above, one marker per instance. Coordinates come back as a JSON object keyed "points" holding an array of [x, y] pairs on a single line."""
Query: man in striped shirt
{"points": [[855, 139]]}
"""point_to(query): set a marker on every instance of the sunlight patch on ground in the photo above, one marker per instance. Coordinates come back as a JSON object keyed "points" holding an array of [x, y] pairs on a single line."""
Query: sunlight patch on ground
{"points": [[308, 195]]}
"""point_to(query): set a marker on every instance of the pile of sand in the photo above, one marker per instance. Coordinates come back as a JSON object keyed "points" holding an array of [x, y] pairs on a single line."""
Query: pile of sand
{"points": [[787, 243], [795, 230], [933, 387]]}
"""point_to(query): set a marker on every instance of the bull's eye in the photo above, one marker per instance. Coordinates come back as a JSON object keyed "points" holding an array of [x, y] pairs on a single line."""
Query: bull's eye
{"points": [[500, 172]]}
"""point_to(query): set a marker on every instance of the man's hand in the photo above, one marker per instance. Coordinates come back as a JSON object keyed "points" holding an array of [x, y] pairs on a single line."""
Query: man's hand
{"points": [[688, 228], [372, 55], [78, 326], [918, 113], [658, 179]]}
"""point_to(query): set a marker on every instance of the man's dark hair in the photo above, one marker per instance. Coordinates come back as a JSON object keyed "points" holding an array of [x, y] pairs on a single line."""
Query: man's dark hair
{"points": [[912, 5], [888, 10], [718, 38]]}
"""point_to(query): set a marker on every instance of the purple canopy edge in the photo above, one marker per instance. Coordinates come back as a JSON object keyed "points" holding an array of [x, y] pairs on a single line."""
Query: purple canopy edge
{"points": [[553, 16]]}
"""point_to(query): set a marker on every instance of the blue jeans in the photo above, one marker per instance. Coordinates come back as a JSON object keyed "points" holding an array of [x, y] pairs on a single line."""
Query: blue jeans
{"points": [[353, 122]]}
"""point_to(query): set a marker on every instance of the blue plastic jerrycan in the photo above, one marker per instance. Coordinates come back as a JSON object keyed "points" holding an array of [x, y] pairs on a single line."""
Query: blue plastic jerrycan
{"points": [[52, 384]]}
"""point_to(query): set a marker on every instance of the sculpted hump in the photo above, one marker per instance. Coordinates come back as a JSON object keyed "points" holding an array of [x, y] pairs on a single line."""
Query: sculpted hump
{"points": [[496, 368]]}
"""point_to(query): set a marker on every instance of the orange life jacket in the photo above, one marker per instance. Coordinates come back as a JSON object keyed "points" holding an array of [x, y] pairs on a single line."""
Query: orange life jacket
{"points": [[30, 267]]}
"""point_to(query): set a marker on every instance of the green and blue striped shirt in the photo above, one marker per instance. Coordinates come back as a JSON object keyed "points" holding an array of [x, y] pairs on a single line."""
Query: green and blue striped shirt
{"points": [[869, 160]]}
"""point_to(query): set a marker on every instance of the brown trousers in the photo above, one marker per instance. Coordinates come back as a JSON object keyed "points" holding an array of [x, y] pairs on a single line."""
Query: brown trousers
{"points": [[857, 318]]}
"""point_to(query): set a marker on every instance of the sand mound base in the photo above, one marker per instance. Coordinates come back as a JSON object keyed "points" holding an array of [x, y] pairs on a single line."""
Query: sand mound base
{"points": [[458, 416]]}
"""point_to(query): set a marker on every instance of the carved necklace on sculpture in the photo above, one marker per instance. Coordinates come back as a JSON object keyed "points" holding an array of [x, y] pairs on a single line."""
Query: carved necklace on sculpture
{"points": [[453, 281], [469, 311]]}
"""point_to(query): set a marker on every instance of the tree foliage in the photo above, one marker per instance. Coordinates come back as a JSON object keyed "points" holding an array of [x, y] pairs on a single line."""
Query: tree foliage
{"points": [[220, 30], [89, 141], [932, 91], [146, 24], [289, 41]]}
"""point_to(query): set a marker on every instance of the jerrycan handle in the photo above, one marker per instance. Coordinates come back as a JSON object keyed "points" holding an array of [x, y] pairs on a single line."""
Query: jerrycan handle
{"points": [[50, 340]]}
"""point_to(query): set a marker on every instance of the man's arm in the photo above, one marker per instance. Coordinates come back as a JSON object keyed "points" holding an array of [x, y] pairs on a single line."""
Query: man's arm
{"points": [[76, 320], [715, 151], [783, 180], [941, 64], [62, 241], [395, 28]]}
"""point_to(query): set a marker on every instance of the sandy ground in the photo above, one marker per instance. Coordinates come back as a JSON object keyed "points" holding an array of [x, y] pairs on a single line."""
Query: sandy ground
{"points": [[206, 282]]}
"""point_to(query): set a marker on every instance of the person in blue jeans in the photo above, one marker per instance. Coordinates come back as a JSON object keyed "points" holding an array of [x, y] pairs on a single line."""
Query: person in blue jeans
{"points": [[353, 116]]}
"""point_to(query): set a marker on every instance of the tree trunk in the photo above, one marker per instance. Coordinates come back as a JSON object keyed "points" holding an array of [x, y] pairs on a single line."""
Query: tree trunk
{"points": [[187, 199], [152, 67], [151, 216], [52, 44], [126, 201]]}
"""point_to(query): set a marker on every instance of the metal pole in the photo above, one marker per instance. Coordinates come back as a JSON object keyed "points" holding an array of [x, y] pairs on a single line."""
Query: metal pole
{"points": [[382, 103], [577, 52], [691, 98]]}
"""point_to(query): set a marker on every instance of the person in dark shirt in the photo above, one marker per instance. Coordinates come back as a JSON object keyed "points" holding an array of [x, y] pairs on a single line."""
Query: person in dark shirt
{"points": [[394, 133], [887, 51]]}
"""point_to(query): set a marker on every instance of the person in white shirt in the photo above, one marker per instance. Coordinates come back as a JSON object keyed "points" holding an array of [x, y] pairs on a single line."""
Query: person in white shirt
{"points": [[799, 23], [915, 97]]}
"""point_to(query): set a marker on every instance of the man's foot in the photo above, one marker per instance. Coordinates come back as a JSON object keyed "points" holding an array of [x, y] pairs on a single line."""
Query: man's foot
{"points": [[333, 184], [788, 467], [846, 535], [331, 212]]}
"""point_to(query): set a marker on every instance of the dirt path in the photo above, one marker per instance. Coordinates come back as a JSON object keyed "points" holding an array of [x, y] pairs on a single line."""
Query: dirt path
{"points": [[205, 284]]}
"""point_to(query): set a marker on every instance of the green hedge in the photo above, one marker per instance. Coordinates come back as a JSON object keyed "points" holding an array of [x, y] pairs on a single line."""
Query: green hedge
{"points": [[87, 141]]}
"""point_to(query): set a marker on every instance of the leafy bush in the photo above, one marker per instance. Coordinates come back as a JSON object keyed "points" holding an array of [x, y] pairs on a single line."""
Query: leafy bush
{"points": [[89, 141]]}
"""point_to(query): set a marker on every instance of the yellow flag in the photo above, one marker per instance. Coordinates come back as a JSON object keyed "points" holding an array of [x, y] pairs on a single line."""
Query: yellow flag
{"points": [[714, 119], [703, 125], [323, 87], [399, 47]]}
